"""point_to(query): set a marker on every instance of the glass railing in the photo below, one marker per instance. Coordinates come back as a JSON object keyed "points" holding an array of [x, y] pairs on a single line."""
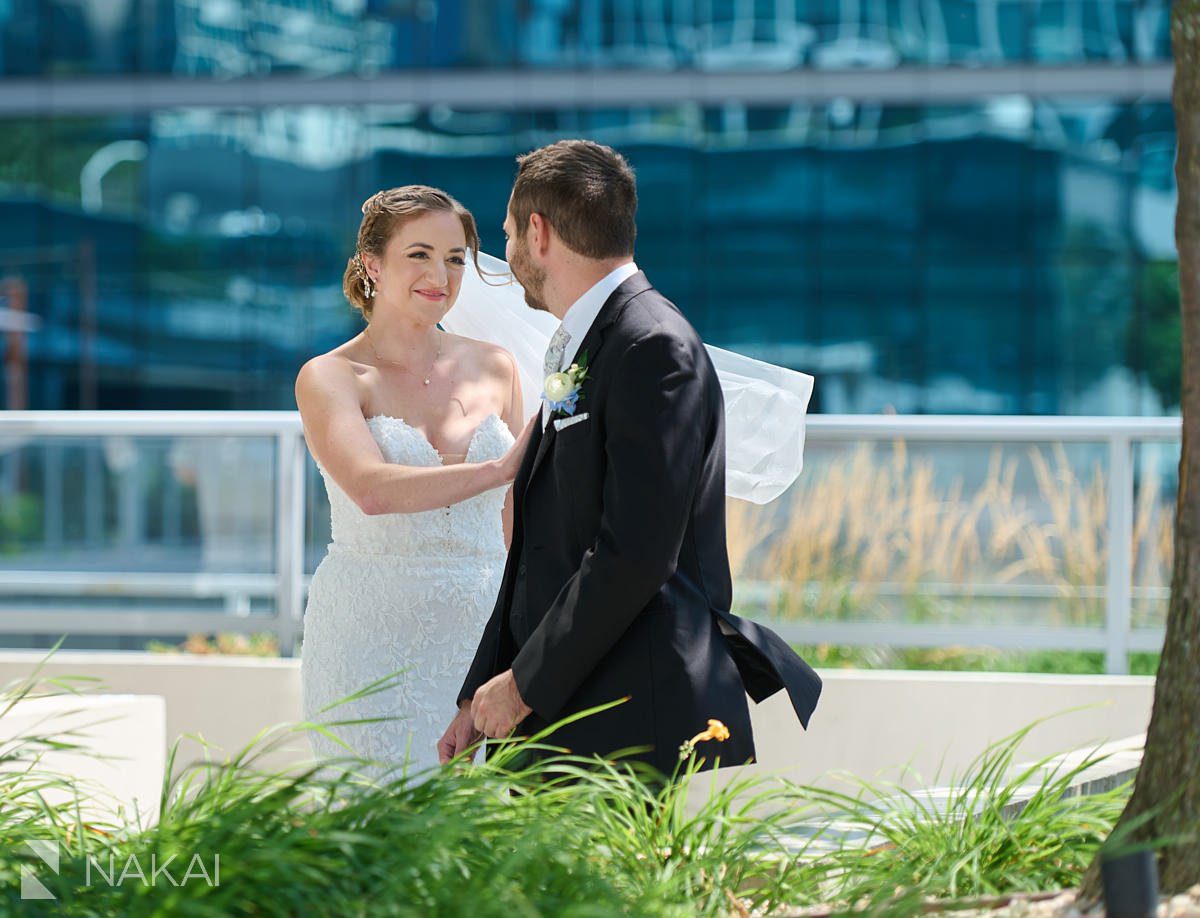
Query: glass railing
{"points": [[1014, 533], [1019, 534]]}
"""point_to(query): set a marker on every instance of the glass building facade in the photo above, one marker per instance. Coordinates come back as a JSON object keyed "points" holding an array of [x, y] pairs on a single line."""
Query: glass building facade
{"points": [[938, 206]]}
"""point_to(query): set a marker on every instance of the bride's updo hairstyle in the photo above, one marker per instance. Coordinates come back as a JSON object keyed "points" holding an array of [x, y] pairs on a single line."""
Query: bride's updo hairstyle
{"points": [[384, 213]]}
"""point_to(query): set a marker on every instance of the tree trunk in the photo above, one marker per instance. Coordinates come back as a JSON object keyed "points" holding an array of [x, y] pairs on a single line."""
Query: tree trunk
{"points": [[1168, 783]]}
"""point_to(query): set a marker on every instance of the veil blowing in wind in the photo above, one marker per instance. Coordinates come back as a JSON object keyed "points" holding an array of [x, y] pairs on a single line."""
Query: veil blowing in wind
{"points": [[765, 405]]}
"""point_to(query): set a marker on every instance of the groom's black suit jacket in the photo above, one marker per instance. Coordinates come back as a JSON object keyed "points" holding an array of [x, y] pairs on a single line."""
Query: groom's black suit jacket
{"points": [[617, 583]]}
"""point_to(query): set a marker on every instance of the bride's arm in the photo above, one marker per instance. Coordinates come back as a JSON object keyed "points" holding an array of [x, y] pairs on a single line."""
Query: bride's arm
{"points": [[339, 440], [512, 417]]}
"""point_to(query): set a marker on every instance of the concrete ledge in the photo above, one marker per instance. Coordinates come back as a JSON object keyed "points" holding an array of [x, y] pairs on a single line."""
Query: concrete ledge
{"points": [[920, 728], [914, 727], [221, 701], [1119, 764], [122, 756]]}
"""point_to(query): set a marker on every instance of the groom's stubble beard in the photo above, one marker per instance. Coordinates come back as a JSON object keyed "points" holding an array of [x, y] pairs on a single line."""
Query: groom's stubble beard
{"points": [[532, 279]]}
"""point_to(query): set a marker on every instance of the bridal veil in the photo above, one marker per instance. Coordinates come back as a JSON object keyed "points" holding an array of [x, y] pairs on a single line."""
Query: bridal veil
{"points": [[765, 405]]}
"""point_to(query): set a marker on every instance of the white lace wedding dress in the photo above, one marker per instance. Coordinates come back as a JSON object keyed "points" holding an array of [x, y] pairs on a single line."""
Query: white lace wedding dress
{"points": [[403, 592]]}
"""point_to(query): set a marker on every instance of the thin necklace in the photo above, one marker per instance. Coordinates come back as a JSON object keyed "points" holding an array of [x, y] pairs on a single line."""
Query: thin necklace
{"points": [[436, 357]]}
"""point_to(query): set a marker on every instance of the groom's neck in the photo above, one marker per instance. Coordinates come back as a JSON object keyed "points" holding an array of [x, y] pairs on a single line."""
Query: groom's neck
{"points": [[576, 277]]}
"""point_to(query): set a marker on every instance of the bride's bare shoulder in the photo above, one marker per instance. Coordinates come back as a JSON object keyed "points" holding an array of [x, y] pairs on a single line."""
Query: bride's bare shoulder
{"points": [[486, 357], [338, 372]]}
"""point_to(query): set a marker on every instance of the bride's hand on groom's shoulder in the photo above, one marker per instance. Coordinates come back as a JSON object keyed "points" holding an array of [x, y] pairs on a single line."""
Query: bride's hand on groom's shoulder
{"points": [[511, 461], [459, 736]]}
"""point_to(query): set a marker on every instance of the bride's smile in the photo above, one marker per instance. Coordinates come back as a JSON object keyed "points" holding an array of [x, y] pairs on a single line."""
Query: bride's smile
{"points": [[419, 273]]}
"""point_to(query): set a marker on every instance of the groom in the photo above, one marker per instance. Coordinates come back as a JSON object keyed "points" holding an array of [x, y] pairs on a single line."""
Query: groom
{"points": [[617, 583]]}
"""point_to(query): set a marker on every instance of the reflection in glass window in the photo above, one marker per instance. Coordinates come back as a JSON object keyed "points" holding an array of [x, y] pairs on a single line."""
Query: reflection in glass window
{"points": [[229, 38], [1006, 255]]}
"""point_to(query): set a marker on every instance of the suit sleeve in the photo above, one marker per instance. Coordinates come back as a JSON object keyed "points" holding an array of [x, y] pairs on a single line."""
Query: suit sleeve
{"points": [[487, 662], [657, 420]]}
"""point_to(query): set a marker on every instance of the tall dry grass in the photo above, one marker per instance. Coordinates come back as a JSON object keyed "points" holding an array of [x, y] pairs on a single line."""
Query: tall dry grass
{"points": [[877, 533]]}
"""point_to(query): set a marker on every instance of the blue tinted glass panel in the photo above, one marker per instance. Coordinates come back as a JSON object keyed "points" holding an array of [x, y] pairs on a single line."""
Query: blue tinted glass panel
{"points": [[1013, 255], [224, 38]]}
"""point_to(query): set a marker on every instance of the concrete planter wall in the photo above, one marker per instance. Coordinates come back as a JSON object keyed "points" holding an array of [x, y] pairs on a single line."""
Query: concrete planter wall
{"points": [[119, 769], [870, 724]]}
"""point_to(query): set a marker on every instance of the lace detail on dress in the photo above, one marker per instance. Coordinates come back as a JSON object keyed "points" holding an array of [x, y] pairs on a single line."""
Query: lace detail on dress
{"points": [[406, 593]]}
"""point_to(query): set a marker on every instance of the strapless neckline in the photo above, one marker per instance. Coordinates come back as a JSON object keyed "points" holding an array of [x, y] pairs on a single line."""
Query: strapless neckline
{"points": [[425, 440]]}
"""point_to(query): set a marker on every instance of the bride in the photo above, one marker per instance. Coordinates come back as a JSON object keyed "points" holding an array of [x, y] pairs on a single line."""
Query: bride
{"points": [[416, 425], [417, 433]]}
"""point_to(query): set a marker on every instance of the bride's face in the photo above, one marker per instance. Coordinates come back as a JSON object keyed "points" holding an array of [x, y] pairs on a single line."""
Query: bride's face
{"points": [[421, 269]]}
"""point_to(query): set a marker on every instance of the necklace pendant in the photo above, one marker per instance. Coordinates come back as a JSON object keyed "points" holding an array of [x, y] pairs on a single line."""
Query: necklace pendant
{"points": [[427, 380]]}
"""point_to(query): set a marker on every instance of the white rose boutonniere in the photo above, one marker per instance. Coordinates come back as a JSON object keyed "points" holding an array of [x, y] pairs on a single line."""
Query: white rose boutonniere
{"points": [[561, 391]]}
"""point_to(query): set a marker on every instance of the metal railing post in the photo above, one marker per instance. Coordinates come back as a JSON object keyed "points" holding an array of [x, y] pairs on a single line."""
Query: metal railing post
{"points": [[1118, 613], [289, 540], [126, 463]]}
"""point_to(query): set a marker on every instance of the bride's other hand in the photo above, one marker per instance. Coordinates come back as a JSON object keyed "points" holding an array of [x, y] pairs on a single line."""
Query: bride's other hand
{"points": [[459, 736], [511, 461]]}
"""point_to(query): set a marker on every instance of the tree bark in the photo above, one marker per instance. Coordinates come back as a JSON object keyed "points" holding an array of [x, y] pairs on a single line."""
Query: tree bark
{"points": [[1168, 782]]}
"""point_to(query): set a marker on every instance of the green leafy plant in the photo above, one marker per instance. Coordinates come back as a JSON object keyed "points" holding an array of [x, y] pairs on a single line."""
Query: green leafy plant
{"points": [[523, 834], [1000, 828], [970, 659]]}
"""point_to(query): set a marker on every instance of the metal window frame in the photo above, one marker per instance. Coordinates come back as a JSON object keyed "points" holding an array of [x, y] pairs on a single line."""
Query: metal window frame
{"points": [[522, 90]]}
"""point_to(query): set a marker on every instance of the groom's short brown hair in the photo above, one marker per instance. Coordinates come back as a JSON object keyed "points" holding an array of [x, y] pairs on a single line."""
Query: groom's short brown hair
{"points": [[585, 190]]}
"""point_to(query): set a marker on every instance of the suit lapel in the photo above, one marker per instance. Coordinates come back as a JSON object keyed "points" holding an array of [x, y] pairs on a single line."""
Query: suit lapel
{"points": [[592, 341], [543, 447]]}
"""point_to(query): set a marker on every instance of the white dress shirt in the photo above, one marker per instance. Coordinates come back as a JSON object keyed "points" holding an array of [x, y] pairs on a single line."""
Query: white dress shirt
{"points": [[582, 314]]}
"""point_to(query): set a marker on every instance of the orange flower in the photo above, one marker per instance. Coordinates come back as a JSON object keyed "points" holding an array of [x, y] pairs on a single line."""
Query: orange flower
{"points": [[716, 731], [719, 731]]}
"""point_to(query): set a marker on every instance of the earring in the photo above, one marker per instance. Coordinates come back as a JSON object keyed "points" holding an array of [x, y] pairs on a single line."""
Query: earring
{"points": [[368, 285]]}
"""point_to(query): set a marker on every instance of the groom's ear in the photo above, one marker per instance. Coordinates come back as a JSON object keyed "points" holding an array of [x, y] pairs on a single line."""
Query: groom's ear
{"points": [[539, 233]]}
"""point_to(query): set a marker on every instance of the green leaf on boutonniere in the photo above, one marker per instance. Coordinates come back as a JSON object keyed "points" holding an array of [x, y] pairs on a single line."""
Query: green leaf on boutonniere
{"points": [[579, 369]]}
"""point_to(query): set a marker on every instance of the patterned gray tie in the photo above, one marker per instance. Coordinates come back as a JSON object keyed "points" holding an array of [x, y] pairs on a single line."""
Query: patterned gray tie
{"points": [[558, 347]]}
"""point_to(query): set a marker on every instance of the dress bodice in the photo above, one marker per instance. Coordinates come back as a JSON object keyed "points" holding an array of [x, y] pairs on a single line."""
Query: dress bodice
{"points": [[471, 527]]}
